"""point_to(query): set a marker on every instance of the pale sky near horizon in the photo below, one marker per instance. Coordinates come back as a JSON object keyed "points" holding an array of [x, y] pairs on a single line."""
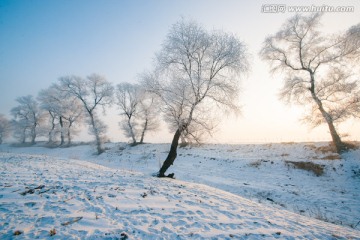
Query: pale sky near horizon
{"points": [[42, 40]]}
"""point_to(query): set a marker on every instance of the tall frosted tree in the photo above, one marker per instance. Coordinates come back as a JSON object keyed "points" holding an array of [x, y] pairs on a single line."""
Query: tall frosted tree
{"points": [[321, 71], [197, 73], [94, 92]]}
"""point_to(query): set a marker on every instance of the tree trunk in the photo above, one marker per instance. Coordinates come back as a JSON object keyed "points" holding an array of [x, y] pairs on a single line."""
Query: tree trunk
{"points": [[33, 134], [96, 132], [172, 154], [61, 131], [143, 131], [52, 127], [23, 136], [69, 134], [131, 131], [339, 145]]}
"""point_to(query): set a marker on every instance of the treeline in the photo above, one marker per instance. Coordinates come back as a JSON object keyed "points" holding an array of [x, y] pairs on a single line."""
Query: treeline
{"points": [[58, 111], [196, 79]]}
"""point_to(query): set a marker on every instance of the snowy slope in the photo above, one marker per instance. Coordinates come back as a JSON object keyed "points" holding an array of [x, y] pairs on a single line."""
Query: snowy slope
{"points": [[120, 199], [75, 199]]}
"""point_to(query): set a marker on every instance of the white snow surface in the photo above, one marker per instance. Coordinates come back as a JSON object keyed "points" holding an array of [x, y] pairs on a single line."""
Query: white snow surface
{"points": [[245, 191]]}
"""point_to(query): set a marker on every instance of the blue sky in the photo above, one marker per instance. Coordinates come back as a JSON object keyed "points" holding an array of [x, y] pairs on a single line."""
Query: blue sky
{"points": [[41, 40]]}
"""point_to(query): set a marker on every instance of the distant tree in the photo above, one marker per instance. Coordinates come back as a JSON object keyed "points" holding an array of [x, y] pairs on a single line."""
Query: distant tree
{"points": [[93, 92], [148, 113], [49, 103], [139, 109], [64, 111], [27, 117], [128, 99], [5, 128], [197, 72], [320, 70], [73, 115]]}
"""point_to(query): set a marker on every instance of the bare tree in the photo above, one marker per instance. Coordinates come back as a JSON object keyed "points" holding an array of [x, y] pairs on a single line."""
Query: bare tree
{"points": [[140, 111], [73, 114], [128, 98], [64, 112], [317, 69], [27, 117], [93, 92], [5, 128], [148, 113], [197, 72], [49, 103]]}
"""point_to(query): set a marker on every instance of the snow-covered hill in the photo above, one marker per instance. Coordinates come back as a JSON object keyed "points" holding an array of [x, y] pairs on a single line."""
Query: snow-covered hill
{"points": [[221, 191]]}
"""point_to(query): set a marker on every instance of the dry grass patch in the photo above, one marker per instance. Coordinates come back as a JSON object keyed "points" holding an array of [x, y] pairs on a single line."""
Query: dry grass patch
{"points": [[332, 157], [330, 148], [352, 145], [317, 169], [288, 143]]}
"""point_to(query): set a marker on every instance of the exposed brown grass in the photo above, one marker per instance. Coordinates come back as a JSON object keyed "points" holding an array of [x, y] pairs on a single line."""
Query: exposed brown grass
{"points": [[352, 145], [330, 148], [332, 157], [288, 143], [317, 169]]}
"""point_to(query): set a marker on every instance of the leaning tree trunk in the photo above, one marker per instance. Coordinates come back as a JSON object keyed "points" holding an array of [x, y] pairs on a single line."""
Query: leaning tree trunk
{"points": [[339, 145], [143, 131], [172, 154]]}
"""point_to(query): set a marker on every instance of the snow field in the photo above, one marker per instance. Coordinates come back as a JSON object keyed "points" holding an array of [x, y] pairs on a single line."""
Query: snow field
{"points": [[84, 200]]}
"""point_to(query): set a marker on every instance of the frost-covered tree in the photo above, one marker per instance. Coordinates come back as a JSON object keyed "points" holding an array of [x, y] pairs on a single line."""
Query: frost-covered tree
{"points": [[50, 106], [197, 73], [93, 92], [148, 114], [321, 70], [128, 99], [5, 128], [27, 117], [64, 112], [139, 110], [73, 115]]}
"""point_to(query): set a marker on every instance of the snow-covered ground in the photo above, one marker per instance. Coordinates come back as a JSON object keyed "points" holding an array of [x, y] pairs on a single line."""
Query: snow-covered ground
{"points": [[248, 191]]}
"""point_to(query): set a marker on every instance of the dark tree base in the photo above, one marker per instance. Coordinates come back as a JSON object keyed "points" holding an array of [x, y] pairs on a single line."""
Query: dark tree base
{"points": [[171, 175]]}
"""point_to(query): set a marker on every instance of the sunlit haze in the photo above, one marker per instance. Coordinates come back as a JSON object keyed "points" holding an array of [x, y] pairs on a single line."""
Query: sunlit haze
{"points": [[42, 40]]}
